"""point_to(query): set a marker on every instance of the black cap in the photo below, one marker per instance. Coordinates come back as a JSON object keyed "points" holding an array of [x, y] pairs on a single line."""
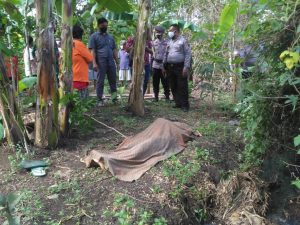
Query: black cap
{"points": [[159, 29]]}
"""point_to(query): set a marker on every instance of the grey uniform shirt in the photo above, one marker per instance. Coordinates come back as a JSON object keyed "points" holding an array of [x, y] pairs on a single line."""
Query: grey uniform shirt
{"points": [[159, 47], [249, 56], [103, 44], [178, 51]]}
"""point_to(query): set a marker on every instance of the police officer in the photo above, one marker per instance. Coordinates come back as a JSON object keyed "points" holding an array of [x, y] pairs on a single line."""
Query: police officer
{"points": [[159, 46], [177, 61], [105, 58]]}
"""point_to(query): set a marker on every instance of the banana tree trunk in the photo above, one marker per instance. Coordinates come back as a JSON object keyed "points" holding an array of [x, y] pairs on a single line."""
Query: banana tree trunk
{"points": [[9, 111], [66, 75], [46, 125], [136, 99]]}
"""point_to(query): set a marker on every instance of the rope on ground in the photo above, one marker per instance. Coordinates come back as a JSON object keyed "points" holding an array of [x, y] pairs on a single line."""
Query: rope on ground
{"points": [[105, 125]]}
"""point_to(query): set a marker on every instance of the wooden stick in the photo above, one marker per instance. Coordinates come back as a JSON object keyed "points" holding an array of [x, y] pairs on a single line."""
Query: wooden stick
{"points": [[105, 125]]}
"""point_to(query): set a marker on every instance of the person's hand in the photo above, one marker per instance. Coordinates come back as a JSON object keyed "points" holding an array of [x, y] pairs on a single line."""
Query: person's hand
{"points": [[185, 72], [95, 67]]}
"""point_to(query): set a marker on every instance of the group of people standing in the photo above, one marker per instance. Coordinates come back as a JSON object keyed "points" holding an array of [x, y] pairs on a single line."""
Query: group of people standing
{"points": [[169, 58], [171, 65]]}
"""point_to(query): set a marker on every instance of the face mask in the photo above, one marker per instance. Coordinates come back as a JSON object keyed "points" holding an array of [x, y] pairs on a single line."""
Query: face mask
{"points": [[121, 47], [103, 29], [158, 36], [171, 34]]}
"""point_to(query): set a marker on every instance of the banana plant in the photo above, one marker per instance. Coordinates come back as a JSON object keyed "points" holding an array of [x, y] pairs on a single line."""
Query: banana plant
{"points": [[2, 131]]}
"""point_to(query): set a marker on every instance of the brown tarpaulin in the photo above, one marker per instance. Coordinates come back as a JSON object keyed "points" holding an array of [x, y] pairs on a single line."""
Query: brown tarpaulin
{"points": [[137, 154]]}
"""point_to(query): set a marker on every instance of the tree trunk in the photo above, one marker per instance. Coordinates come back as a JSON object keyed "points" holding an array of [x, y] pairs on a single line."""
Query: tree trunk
{"points": [[46, 125], [11, 117], [66, 75], [136, 101]]}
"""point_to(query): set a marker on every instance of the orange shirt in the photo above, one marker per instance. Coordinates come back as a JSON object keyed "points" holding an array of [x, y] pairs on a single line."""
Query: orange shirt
{"points": [[81, 59]]}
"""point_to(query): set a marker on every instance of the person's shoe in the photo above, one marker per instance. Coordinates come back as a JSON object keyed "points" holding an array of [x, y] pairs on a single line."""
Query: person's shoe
{"points": [[167, 99], [185, 109], [100, 103]]}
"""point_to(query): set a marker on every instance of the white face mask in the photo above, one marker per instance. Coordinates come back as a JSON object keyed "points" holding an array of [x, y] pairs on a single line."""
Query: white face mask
{"points": [[121, 47], [171, 34]]}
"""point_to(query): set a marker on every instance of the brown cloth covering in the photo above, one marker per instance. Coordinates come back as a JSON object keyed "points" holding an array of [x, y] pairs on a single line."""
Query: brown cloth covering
{"points": [[137, 154]]}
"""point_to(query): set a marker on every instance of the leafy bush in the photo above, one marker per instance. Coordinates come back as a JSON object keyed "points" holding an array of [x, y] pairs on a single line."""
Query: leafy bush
{"points": [[79, 110]]}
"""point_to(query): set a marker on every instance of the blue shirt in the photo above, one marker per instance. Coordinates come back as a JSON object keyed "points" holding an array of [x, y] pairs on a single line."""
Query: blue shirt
{"points": [[103, 44]]}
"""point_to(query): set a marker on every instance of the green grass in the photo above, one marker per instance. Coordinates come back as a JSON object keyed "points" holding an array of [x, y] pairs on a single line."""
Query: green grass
{"points": [[213, 128], [126, 212]]}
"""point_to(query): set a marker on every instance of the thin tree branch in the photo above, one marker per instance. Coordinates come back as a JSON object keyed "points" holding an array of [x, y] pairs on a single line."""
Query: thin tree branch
{"points": [[105, 125]]}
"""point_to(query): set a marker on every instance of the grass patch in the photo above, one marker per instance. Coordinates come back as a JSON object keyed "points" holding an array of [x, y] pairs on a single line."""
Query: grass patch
{"points": [[125, 212]]}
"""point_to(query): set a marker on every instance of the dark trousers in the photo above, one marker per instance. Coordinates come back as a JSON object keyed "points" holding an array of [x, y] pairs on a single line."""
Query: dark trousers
{"points": [[157, 77], [106, 66], [147, 70], [179, 84]]}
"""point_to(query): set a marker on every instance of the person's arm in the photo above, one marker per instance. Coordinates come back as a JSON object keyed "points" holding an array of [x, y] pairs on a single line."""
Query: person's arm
{"points": [[115, 52], [95, 66], [92, 47], [149, 48], [88, 57]]}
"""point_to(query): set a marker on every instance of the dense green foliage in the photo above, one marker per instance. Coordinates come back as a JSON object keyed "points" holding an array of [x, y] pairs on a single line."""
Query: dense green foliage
{"points": [[270, 106]]}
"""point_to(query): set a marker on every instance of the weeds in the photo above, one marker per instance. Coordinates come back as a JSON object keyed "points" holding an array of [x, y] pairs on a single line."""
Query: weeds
{"points": [[211, 129], [202, 154], [31, 207], [127, 122], [200, 214], [182, 172], [20, 155], [80, 107], [72, 187], [125, 213], [156, 189]]}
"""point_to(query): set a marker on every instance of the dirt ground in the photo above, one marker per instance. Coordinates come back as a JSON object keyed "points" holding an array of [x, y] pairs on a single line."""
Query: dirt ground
{"points": [[169, 193]]}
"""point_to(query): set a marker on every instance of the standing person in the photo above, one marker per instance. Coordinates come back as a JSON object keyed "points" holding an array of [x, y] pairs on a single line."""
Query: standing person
{"points": [[147, 56], [177, 62], [249, 57], [148, 52], [129, 50], [29, 60], [159, 46], [81, 57], [105, 58], [124, 72]]}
